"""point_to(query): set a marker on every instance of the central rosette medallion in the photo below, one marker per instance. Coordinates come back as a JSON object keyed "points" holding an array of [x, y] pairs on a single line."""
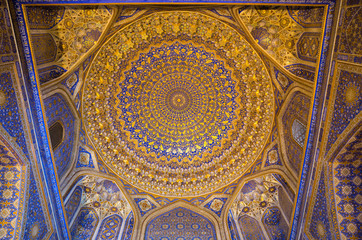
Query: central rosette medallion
{"points": [[181, 104], [178, 104]]}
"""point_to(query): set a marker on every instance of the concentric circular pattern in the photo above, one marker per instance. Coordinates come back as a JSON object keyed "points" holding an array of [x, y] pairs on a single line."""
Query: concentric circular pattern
{"points": [[181, 109], [178, 104]]}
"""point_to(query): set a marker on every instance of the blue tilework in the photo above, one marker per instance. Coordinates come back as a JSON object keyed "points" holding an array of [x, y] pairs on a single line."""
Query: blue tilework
{"points": [[10, 191], [58, 110], [71, 82], [84, 159], [180, 223], [250, 228], [144, 205], [85, 224], [218, 209], [110, 228], [283, 80], [73, 203], [35, 216], [273, 157], [319, 219], [347, 186], [344, 110], [298, 108], [275, 224], [9, 111]]}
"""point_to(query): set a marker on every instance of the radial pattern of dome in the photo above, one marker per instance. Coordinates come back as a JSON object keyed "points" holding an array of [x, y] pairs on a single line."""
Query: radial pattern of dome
{"points": [[178, 104]]}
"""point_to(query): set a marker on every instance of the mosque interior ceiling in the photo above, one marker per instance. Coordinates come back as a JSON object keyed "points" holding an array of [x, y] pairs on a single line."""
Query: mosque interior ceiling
{"points": [[233, 121]]}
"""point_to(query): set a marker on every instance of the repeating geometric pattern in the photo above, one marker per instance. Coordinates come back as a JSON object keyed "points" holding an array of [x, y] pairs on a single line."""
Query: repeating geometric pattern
{"points": [[250, 228], [216, 205], [278, 30], [256, 196], [308, 17], [10, 118], [351, 31], [129, 227], [144, 205], [180, 105], [273, 157], [85, 224], [347, 104], [347, 168], [308, 46], [320, 224], [84, 158], [73, 203], [104, 196], [275, 224], [110, 227], [73, 32], [10, 187], [36, 224], [58, 110], [177, 117], [77, 37], [302, 70], [297, 110], [180, 224]]}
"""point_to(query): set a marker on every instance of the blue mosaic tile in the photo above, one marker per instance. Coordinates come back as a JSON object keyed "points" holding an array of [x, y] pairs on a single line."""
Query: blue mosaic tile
{"points": [[57, 110], [9, 110], [85, 224], [180, 223], [110, 227], [320, 225], [216, 205], [347, 105], [84, 159], [144, 205], [35, 217]]}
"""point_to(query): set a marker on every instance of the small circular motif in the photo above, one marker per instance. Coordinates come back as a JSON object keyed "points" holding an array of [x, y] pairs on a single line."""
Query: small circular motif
{"points": [[180, 214], [351, 94], [263, 204], [165, 226], [195, 226], [180, 226], [246, 209]]}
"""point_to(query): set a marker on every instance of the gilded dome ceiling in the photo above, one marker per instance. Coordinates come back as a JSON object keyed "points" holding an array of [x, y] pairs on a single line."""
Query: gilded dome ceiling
{"points": [[178, 104]]}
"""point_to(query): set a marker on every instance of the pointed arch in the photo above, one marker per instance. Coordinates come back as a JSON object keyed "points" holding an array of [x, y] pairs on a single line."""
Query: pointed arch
{"points": [[172, 209]]}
